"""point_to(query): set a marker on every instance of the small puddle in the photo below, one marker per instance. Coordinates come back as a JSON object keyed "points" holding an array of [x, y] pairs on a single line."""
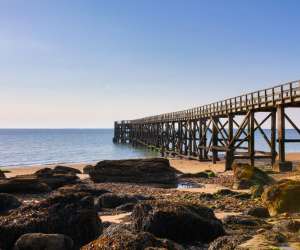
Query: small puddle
{"points": [[199, 188]]}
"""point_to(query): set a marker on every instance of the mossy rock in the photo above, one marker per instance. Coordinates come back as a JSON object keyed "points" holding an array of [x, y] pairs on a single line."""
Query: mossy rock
{"points": [[202, 174], [256, 191], [246, 176], [282, 197], [210, 173]]}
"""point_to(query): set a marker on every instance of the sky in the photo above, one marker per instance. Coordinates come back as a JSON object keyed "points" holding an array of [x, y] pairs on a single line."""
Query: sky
{"points": [[87, 63]]}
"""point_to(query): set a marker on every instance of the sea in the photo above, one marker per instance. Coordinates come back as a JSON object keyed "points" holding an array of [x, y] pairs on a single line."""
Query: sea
{"points": [[26, 147]]}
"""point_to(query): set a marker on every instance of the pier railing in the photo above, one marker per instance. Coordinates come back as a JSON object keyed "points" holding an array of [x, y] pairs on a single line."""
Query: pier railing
{"points": [[270, 97], [186, 132]]}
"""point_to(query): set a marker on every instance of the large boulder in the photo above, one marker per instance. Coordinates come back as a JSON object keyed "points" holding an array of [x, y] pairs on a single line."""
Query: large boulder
{"points": [[244, 223], [22, 184], [66, 170], [43, 180], [8, 202], [73, 215], [81, 187], [260, 212], [246, 176], [116, 237], [110, 200], [54, 178], [39, 241], [282, 197], [181, 222], [152, 170]]}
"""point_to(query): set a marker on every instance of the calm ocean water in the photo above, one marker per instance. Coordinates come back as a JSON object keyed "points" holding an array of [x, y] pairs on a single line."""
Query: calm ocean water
{"points": [[46, 146]]}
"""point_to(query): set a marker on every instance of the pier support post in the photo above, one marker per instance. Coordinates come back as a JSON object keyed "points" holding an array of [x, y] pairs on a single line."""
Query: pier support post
{"points": [[180, 137], [251, 139], [214, 140], [229, 153], [273, 137], [281, 165], [116, 130]]}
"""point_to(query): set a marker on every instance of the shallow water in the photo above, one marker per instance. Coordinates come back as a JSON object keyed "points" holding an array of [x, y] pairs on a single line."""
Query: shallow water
{"points": [[45, 146], [184, 185]]}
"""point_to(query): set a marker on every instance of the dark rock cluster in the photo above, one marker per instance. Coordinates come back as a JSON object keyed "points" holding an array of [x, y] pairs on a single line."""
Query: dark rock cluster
{"points": [[181, 222], [153, 170], [73, 215], [43, 180]]}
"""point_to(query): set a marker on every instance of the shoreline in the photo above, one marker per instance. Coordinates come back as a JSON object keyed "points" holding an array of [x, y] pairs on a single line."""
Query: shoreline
{"points": [[183, 165]]}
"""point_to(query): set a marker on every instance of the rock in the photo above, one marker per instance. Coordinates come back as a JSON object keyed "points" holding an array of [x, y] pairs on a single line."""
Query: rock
{"points": [[227, 242], [39, 241], [110, 200], [2, 175], [290, 225], [119, 238], [127, 207], [80, 187], [55, 179], [181, 222], [73, 215], [242, 196], [282, 197], [149, 170], [226, 192], [246, 176], [87, 169], [203, 174], [23, 183], [242, 220], [43, 172], [207, 196], [260, 212], [256, 191], [66, 170], [241, 184], [265, 241], [8, 202]]}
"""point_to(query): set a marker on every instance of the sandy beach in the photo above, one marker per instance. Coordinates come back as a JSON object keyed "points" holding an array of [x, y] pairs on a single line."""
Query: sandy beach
{"points": [[112, 200], [183, 165]]}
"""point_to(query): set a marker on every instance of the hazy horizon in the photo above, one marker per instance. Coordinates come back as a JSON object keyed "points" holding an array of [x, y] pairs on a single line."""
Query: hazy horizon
{"points": [[86, 64]]}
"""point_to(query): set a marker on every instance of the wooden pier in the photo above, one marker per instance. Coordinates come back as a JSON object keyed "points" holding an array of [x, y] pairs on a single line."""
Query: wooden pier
{"points": [[226, 127]]}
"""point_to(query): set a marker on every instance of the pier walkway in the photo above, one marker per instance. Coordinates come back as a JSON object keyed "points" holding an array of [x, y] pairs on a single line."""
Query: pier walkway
{"points": [[225, 127]]}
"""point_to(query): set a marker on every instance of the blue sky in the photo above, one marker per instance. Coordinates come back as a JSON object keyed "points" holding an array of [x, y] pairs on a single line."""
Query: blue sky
{"points": [[88, 63]]}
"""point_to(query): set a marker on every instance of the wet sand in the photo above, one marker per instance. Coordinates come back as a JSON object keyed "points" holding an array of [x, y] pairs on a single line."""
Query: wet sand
{"points": [[183, 165]]}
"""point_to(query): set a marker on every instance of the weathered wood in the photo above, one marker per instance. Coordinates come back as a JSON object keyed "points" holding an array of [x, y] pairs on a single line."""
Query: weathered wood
{"points": [[230, 152], [211, 128], [281, 132], [273, 137], [251, 140], [214, 136]]}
